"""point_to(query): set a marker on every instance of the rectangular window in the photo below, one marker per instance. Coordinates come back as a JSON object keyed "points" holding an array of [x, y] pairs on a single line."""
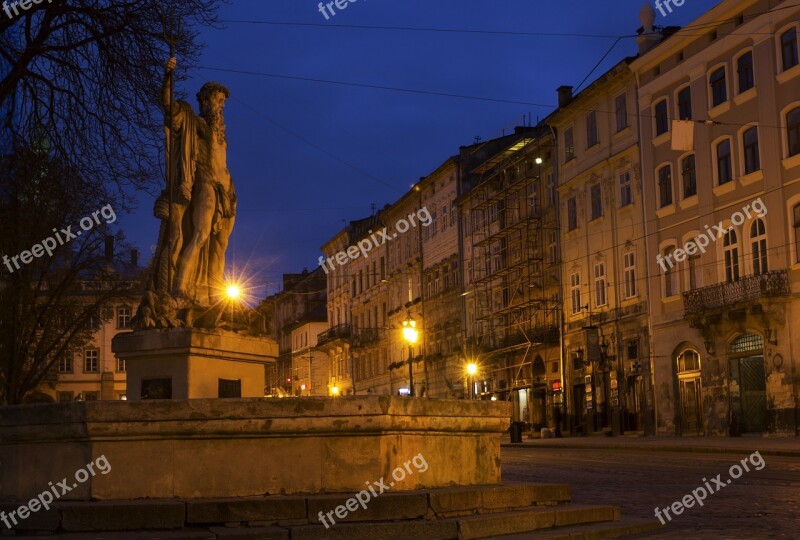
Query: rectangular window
{"points": [[797, 233], [662, 117], [575, 292], [694, 271], [65, 396], [633, 349], [621, 108], [724, 164], [689, 174], [789, 49], [552, 247], [591, 129], [123, 317], [719, 87], [629, 269], [685, 104], [91, 359], [665, 185], [122, 365], [625, 194], [65, 363], [569, 145], [572, 214], [600, 284], [744, 68], [453, 214], [752, 161], [444, 218], [793, 131], [597, 201], [670, 275], [434, 224], [551, 189]]}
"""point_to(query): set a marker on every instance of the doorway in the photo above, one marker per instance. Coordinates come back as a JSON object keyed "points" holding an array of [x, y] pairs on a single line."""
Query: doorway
{"points": [[690, 386], [748, 389]]}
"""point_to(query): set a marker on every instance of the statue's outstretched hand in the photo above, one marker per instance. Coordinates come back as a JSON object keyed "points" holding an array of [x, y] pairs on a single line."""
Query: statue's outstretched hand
{"points": [[170, 65]]}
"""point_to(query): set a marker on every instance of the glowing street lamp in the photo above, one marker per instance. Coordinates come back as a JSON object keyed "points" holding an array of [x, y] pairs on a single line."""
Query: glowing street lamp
{"points": [[233, 292], [335, 390], [472, 369], [410, 334]]}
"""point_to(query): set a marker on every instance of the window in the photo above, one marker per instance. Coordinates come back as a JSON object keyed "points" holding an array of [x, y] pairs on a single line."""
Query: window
{"points": [[629, 269], [752, 161], [789, 49], [744, 68], [552, 247], [122, 365], [665, 185], [569, 145], [694, 271], [65, 363], [591, 129], [793, 131], [444, 218], [625, 194], [575, 292], [719, 88], [689, 174], [453, 214], [597, 201], [633, 349], [758, 241], [91, 396], [65, 396], [730, 247], [685, 104], [91, 359], [600, 284], [551, 190], [123, 317], [572, 214], [621, 107], [797, 233], [688, 361], [724, 163], [662, 117], [434, 224], [670, 275]]}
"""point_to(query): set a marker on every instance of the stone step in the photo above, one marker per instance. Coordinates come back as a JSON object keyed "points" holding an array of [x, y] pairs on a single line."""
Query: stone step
{"points": [[626, 526], [534, 519], [289, 510]]}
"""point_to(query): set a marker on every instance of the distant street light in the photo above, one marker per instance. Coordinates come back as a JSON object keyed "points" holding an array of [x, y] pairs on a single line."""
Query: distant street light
{"points": [[335, 390], [472, 369], [410, 334], [233, 292]]}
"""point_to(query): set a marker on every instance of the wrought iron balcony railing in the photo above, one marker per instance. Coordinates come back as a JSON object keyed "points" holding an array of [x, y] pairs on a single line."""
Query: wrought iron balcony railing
{"points": [[340, 331], [746, 289]]}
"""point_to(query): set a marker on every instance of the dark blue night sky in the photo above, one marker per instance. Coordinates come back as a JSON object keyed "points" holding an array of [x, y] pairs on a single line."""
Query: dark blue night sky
{"points": [[293, 195]]}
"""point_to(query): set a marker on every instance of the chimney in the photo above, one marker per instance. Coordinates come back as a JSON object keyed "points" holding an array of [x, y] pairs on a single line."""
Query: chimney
{"points": [[649, 37], [135, 258], [564, 96], [109, 249]]}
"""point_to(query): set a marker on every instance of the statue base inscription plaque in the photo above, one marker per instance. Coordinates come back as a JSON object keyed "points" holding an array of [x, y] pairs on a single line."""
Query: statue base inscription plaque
{"points": [[191, 363]]}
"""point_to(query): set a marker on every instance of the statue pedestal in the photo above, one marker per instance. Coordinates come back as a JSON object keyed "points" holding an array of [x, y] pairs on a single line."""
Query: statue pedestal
{"points": [[189, 363]]}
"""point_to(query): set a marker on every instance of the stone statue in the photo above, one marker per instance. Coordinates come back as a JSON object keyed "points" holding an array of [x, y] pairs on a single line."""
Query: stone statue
{"points": [[185, 287]]}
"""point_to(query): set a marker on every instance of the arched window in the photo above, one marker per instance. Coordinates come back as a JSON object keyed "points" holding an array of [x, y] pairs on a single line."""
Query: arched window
{"points": [[747, 343], [688, 360], [689, 174], [719, 87], [724, 163], [752, 160], [730, 245], [793, 131], [758, 241], [665, 185]]}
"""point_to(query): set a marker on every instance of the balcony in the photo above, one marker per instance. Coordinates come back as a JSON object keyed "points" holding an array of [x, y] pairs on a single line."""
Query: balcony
{"points": [[363, 337], [726, 295], [340, 331], [537, 335]]}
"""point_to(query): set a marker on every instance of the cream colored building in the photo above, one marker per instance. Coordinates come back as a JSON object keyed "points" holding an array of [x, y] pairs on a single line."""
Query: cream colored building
{"points": [[603, 258], [725, 318], [310, 366]]}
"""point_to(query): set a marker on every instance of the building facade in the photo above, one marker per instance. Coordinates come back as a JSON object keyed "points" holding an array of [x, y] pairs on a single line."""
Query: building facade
{"points": [[720, 135]]}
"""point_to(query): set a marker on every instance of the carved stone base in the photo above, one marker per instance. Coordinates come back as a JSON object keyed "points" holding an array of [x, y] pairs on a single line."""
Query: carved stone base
{"points": [[189, 363]]}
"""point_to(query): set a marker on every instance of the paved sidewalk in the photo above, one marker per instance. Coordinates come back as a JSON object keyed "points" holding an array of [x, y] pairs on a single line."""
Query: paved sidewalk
{"points": [[768, 446]]}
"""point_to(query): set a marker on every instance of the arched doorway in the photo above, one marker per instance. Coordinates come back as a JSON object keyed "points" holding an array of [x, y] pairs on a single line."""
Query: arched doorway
{"points": [[690, 387], [748, 390]]}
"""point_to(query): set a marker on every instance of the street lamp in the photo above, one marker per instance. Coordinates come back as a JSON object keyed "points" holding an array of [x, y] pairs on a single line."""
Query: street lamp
{"points": [[410, 334], [472, 369]]}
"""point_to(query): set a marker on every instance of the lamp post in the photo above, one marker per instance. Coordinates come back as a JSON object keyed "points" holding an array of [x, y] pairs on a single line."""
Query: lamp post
{"points": [[472, 369], [410, 333]]}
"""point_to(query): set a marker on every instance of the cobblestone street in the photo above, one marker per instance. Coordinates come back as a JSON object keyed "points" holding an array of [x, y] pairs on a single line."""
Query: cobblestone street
{"points": [[760, 504]]}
